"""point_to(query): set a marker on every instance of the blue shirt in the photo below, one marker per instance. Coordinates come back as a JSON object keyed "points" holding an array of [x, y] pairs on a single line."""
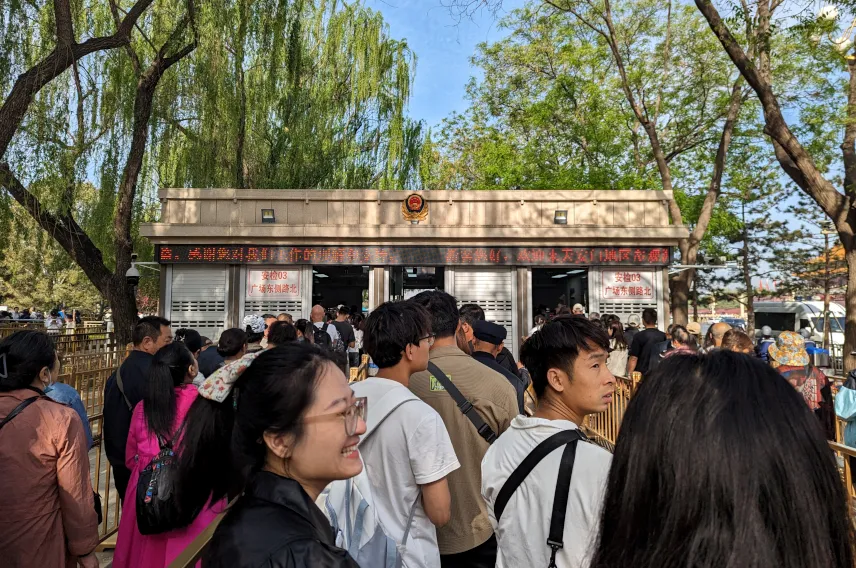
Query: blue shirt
{"points": [[66, 394]]}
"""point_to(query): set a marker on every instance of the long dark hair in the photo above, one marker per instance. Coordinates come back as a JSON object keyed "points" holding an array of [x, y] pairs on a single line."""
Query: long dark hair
{"points": [[220, 448], [616, 332], [168, 370], [25, 353], [719, 462]]}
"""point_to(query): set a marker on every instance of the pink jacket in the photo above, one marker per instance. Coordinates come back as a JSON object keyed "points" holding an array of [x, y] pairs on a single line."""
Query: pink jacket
{"points": [[154, 551]]}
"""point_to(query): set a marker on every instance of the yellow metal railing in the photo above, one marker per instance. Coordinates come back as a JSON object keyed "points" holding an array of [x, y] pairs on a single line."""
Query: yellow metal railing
{"points": [[362, 372], [605, 425]]}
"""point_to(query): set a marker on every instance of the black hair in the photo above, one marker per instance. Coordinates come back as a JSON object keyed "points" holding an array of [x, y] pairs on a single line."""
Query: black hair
{"points": [[252, 336], [220, 448], [540, 319], [344, 310], [724, 465], [281, 332], [471, 313], [616, 331], [680, 334], [557, 345], [26, 354], [443, 308], [190, 337], [231, 342], [168, 370], [649, 316], [358, 321], [391, 327], [149, 326], [268, 316], [301, 325]]}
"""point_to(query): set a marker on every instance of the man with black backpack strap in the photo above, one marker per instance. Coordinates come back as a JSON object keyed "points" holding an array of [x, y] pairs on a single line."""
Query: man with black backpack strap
{"points": [[542, 481], [476, 404]]}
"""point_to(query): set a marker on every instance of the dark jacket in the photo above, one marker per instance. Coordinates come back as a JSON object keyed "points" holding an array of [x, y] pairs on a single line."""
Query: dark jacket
{"points": [[506, 359], [117, 415], [275, 524], [209, 361], [518, 384]]}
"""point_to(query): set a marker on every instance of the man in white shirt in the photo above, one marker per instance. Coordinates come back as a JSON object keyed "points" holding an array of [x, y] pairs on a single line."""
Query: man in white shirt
{"points": [[567, 361], [409, 454], [318, 317]]}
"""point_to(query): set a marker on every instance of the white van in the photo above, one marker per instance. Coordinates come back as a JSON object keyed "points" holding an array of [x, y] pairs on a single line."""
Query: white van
{"points": [[794, 316]]}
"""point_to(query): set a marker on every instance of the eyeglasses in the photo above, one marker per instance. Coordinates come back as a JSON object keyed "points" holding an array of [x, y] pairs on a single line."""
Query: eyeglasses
{"points": [[351, 415], [430, 339]]}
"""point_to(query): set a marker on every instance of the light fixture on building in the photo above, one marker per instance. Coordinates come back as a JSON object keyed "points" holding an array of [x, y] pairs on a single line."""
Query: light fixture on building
{"points": [[561, 217], [268, 216]]}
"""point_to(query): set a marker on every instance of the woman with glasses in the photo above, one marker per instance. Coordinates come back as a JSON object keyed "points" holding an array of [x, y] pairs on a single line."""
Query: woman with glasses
{"points": [[275, 427]]}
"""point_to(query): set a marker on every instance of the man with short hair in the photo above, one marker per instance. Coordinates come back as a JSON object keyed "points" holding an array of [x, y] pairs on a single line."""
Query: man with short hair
{"points": [[269, 319], [125, 388], [467, 540], [487, 344], [318, 318], [471, 313], [344, 327], [717, 331], [640, 356], [567, 360], [407, 452]]}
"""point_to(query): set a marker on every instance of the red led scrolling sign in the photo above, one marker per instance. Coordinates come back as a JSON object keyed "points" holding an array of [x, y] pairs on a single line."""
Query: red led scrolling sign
{"points": [[413, 255]]}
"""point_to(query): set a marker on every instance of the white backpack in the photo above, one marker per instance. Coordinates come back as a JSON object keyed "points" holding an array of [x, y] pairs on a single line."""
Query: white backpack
{"points": [[350, 508]]}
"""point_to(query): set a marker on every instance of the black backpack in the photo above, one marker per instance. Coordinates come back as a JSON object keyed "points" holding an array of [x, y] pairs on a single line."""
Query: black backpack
{"points": [[321, 338], [157, 505]]}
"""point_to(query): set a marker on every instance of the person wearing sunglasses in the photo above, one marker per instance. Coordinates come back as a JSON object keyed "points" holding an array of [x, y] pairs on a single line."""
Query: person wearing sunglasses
{"points": [[286, 421]]}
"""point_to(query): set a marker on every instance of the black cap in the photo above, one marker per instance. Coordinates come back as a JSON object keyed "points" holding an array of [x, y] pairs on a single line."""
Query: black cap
{"points": [[489, 332]]}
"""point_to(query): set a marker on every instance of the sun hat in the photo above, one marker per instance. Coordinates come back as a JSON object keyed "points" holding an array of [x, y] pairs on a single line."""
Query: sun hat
{"points": [[694, 328], [255, 322], [789, 350]]}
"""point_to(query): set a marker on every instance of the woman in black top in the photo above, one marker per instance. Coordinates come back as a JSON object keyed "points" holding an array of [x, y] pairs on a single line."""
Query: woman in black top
{"points": [[288, 423]]}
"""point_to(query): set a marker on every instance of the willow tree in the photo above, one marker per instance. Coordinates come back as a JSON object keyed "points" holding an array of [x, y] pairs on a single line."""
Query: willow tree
{"points": [[291, 95], [282, 93]]}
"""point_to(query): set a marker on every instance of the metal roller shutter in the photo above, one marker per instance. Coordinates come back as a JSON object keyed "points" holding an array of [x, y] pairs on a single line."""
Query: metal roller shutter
{"points": [[199, 299], [493, 290], [277, 302]]}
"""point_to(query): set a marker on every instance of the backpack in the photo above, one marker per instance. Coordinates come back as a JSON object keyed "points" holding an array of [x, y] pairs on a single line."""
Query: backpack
{"points": [[350, 507], [157, 506], [321, 338]]}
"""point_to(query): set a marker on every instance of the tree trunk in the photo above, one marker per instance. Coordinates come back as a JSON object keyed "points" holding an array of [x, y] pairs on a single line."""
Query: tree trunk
{"points": [[750, 292], [680, 295], [123, 304], [850, 305]]}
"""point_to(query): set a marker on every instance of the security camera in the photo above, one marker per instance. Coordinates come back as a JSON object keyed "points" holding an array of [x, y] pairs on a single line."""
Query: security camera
{"points": [[132, 275]]}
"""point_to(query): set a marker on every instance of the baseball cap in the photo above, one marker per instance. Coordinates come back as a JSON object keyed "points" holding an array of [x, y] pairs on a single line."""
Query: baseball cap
{"points": [[694, 328], [634, 320]]}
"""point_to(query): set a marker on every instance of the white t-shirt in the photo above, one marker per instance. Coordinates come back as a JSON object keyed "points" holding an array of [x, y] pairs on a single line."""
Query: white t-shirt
{"points": [[525, 524], [410, 448], [331, 330]]}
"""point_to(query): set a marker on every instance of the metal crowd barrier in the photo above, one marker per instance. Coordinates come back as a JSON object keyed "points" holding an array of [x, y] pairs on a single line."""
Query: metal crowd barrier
{"points": [[86, 362], [360, 373]]}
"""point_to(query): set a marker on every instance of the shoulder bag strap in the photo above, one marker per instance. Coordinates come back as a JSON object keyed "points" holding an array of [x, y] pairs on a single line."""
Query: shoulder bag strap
{"points": [[464, 405], [541, 451], [555, 540], [17, 410], [122, 387]]}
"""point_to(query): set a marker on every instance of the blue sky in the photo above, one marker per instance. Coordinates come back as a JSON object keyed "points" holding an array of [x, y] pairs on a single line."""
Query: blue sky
{"points": [[443, 48]]}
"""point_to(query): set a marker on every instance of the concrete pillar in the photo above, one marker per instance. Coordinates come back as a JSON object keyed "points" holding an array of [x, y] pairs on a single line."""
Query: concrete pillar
{"points": [[233, 296]]}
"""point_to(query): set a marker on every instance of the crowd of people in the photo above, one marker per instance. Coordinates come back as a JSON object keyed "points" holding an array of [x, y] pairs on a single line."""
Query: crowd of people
{"points": [[452, 454], [54, 320]]}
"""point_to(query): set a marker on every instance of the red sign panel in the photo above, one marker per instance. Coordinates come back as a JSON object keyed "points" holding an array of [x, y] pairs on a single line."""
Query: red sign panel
{"points": [[413, 255]]}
